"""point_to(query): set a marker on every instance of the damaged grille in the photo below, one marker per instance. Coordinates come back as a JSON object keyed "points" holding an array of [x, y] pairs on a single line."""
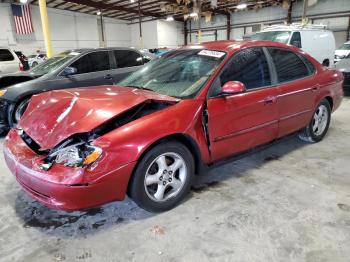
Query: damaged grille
{"points": [[31, 143]]}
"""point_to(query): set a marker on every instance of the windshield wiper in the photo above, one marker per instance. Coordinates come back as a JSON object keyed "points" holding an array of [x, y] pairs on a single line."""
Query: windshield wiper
{"points": [[141, 87]]}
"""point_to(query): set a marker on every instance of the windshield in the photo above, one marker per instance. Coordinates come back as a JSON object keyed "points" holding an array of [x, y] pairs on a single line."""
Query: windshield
{"points": [[345, 47], [180, 73], [53, 63], [276, 36]]}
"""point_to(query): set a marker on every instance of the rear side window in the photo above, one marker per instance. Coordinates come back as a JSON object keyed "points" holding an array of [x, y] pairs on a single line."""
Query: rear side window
{"points": [[5, 55], [127, 58], [310, 66], [288, 65], [92, 62], [250, 67]]}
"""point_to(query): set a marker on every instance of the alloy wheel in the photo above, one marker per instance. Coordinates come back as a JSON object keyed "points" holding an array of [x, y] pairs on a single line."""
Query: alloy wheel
{"points": [[320, 120], [165, 177]]}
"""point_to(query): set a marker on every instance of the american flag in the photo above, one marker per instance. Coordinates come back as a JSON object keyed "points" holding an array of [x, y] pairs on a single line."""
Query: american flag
{"points": [[23, 21]]}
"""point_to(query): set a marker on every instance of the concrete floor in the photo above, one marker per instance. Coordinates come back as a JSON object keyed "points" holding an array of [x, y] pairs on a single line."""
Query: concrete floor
{"points": [[289, 202]]}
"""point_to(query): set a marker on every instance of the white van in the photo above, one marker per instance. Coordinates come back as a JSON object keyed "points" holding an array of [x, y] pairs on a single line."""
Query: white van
{"points": [[313, 39], [9, 61]]}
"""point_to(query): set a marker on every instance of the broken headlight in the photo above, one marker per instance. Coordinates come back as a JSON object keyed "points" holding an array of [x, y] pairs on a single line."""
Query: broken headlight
{"points": [[77, 155]]}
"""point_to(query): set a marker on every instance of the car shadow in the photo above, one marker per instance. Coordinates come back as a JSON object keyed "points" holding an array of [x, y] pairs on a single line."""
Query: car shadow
{"points": [[238, 166], [81, 223]]}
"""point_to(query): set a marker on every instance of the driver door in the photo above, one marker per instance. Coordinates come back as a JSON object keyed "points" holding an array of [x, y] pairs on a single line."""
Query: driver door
{"points": [[242, 121]]}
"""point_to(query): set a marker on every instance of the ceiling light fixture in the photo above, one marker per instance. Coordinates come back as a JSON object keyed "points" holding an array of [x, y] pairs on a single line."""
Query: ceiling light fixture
{"points": [[169, 18], [193, 14], [241, 6], [99, 13], [23, 1], [132, 1]]}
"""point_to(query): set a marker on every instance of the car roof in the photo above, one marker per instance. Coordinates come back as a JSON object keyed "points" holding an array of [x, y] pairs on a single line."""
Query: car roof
{"points": [[234, 45], [86, 50]]}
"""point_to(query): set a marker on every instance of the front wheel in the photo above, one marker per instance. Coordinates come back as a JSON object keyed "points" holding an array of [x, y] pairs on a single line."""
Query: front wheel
{"points": [[319, 124], [19, 110], [163, 177]]}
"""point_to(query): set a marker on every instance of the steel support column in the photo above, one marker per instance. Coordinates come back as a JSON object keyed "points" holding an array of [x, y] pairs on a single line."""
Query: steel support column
{"points": [[46, 28]]}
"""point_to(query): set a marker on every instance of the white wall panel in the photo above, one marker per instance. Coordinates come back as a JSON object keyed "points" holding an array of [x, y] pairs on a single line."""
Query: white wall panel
{"points": [[169, 34]]}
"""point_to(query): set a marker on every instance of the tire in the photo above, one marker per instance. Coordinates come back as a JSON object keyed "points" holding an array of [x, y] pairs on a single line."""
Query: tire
{"points": [[319, 124], [156, 173], [19, 110]]}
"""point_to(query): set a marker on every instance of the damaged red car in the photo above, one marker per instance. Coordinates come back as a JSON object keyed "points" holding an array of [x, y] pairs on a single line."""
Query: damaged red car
{"points": [[148, 137]]}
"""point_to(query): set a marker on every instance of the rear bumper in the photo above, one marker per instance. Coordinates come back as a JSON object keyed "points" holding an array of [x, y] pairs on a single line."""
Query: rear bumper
{"points": [[63, 187]]}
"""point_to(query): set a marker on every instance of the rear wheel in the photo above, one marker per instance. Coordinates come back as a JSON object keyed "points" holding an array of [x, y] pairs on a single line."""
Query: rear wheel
{"points": [[319, 124], [163, 177]]}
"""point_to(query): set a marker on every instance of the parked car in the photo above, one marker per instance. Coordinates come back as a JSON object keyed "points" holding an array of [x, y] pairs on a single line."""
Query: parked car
{"points": [[23, 59], [342, 52], [313, 39], [344, 66], [34, 60], [149, 136], [147, 56], [9, 62], [74, 68]]}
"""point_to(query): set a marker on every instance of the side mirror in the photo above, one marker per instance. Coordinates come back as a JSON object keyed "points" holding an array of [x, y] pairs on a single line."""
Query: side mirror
{"points": [[68, 71], [232, 88]]}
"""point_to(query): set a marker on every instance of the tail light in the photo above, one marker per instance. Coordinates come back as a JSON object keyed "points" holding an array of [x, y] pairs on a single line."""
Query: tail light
{"points": [[21, 68]]}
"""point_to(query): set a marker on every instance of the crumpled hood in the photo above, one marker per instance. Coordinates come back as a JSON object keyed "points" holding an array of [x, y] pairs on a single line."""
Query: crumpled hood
{"points": [[53, 116]]}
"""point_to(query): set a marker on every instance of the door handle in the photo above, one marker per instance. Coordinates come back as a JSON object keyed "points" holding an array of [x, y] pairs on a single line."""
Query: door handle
{"points": [[270, 100], [108, 77]]}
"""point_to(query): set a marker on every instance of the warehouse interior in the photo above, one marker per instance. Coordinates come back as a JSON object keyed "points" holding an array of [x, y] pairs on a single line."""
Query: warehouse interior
{"points": [[252, 190]]}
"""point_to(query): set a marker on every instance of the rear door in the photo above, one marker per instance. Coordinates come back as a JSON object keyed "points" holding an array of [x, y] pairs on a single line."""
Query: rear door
{"points": [[297, 89], [8, 62], [239, 122], [126, 62]]}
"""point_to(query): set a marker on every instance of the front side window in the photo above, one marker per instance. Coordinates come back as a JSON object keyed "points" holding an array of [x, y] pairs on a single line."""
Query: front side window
{"points": [[127, 58], [288, 65], [276, 36], [181, 73], [250, 67], [92, 62], [5, 55], [53, 63], [296, 39]]}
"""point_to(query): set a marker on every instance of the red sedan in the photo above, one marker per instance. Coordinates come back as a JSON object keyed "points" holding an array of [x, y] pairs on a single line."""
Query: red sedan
{"points": [[79, 148]]}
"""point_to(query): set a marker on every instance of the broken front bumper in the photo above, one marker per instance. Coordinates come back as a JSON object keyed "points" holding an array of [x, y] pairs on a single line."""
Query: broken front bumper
{"points": [[63, 187]]}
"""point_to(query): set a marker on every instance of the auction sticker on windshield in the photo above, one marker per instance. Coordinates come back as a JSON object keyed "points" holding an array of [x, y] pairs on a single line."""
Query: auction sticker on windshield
{"points": [[211, 53]]}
